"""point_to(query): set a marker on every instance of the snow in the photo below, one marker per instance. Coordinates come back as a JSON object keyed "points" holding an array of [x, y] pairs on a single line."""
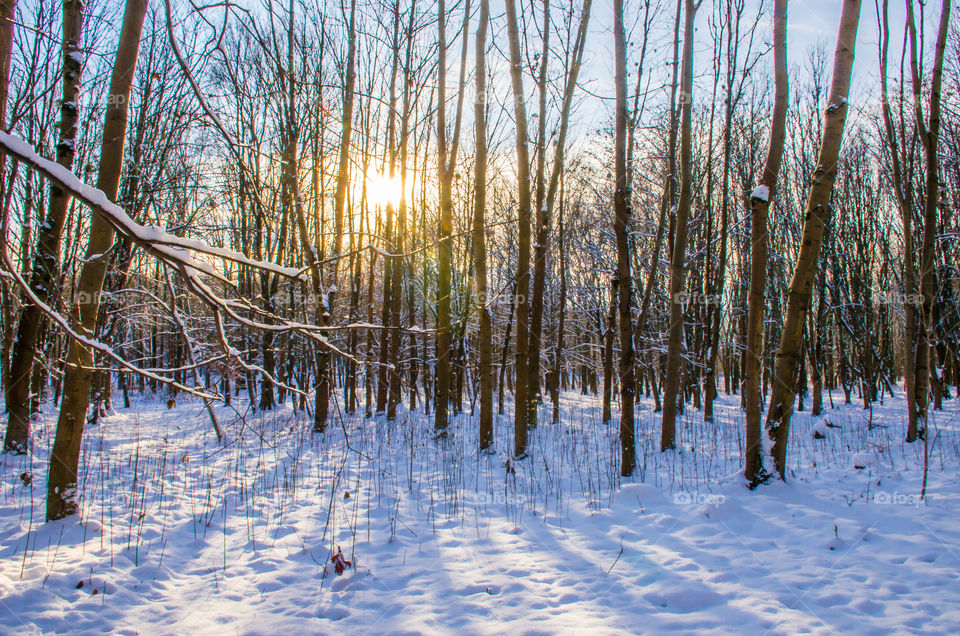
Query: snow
{"points": [[11, 272], [181, 535], [761, 192], [863, 459], [174, 248], [821, 428]]}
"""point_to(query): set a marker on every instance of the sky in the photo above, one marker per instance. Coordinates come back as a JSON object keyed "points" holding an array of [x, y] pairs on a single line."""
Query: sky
{"points": [[809, 23]]}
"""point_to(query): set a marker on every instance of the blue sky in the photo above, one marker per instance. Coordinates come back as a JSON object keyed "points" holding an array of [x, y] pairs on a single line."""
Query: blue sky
{"points": [[810, 22]]}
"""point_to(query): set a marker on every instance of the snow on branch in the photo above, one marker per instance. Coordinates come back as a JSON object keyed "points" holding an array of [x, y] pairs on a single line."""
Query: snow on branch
{"points": [[172, 250], [11, 271], [761, 193]]}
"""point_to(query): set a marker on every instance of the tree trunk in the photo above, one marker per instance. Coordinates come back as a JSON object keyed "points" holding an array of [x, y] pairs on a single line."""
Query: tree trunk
{"points": [[505, 351], [62, 482], [485, 344], [546, 197], [399, 265], [540, 232], [622, 211], [815, 221], [754, 471], [677, 259], [387, 376], [608, 334], [46, 259], [448, 162], [558, 366], [323, 390], [929, 135], [523, 235], [7, 13]]}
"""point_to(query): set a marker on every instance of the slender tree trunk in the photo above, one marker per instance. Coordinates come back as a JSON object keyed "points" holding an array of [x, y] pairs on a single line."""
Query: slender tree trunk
{"points": [[62, 482], [540, 232], [622, 211], [523, 235], [485, 345], [7, 13], [505, 351], [391, 293], [448, 162], [815, 220], [399, 264], [558, 366], [929, 135], [322, 397], [754, 471], [671, 385], [546, 198], [608, 335], [368, 353], [46, 259]]}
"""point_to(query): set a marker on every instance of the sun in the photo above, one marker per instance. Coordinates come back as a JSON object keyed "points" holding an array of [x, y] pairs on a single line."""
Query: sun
{"points": [[383, 190]]}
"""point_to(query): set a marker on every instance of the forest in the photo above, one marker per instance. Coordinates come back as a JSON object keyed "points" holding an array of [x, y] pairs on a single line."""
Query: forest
{"points": [[480, 316]]}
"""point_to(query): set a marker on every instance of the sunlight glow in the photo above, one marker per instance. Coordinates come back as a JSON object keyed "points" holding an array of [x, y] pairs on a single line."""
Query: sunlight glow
{"points": [[383, 190]]}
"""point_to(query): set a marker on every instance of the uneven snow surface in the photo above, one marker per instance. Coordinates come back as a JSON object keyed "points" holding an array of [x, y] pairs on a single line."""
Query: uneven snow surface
{"points": [[180, 535]]}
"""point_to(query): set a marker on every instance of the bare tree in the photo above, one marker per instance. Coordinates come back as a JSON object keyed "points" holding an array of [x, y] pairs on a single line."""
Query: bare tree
{"points": [[65, 457], [46, 260], [929, 137], [791, 349], [448, 163], [759, 209], [622, 212], [671, 385], [485, 345], [521, 394]]}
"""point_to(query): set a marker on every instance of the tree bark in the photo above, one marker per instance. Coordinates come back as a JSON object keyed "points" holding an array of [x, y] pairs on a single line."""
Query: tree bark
{"points": [[754, 471], [523, 235], [540, 233], [64, 461], [815, 220], [7, 13], [323, 390], [546, 197], [485, 344], [399, 264], [677, 259], [622, 211], [929, 136], [46, 259], [448, 163], [610, 329]]}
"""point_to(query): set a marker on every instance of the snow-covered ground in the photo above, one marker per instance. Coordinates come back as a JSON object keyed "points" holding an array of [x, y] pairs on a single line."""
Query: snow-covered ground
{"points": [[180, 535]]}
